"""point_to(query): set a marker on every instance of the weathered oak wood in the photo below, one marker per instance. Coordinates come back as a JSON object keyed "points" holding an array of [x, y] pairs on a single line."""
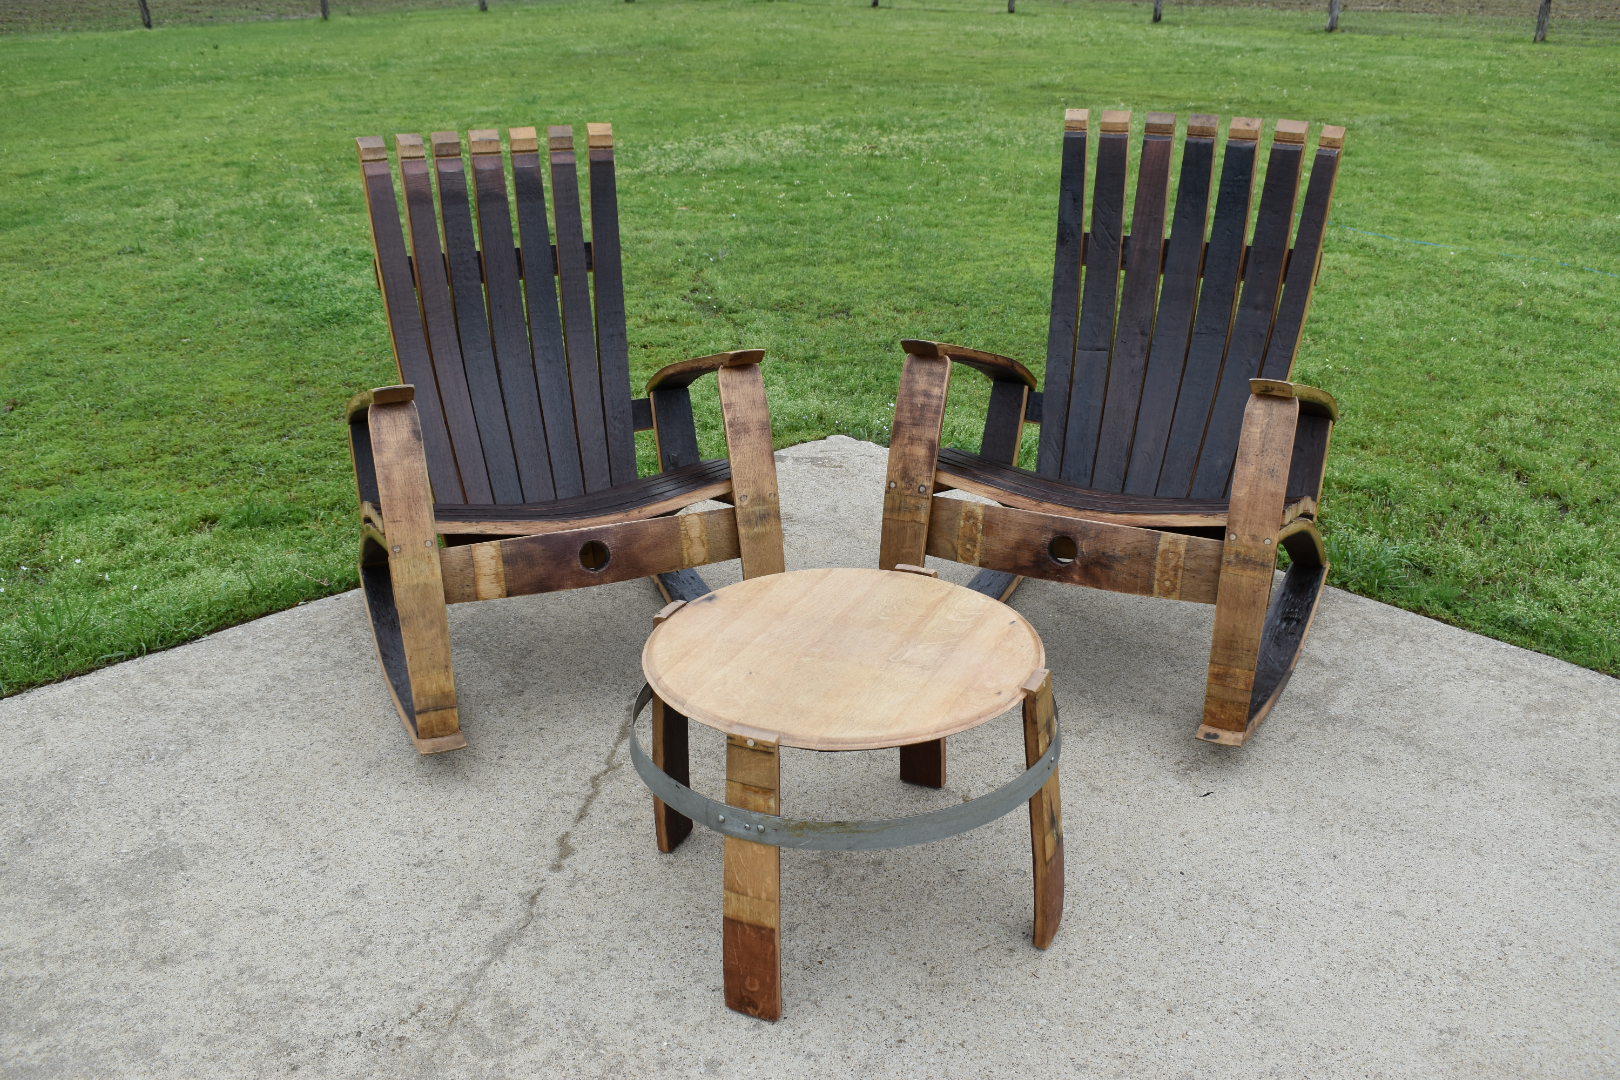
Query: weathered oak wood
{"points": [[1065, 314], [1096, 554], [747, 420], [594, 555], [670, 752], [1099, 302], [752, 935], [546, 346], [612, 343], [1127, 364], [1217, 302], [927, 660], [412, 567], [919, 412], [1045, 810], [1248, 560]]}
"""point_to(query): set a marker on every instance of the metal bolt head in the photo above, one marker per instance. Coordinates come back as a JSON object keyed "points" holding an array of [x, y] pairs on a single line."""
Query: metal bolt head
{"points": [[720, 818]]}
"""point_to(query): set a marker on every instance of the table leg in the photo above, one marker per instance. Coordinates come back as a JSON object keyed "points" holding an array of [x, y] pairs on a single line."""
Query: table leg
{"points": [[753, 909], [923, 763], [1045, 809], [669, 753]]}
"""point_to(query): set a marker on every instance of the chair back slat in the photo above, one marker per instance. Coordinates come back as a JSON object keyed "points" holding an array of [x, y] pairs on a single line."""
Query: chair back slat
{"points": [[1065, 319], [472, 321], [508, 324], [404, 321], [1306, 259], [1217, 301], [1099, 298], [437, 319], [1127, 366], [1154, 338], [545, 320], [1178, 301], [612, 341], [1257, 310], [584, 375]]}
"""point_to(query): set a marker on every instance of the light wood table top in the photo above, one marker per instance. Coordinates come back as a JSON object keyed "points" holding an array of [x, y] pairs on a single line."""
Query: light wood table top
{"points": [[842, 659]]}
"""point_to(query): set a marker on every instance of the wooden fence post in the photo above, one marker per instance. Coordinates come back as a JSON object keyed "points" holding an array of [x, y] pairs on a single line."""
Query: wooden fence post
{"points": [[326, 10], [146, 15], [1334, 7], [1543, 17], [1158, 10]]}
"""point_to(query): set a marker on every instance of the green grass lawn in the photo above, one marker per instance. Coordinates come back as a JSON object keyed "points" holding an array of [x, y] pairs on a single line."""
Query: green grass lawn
{"points": [[186, 295]]}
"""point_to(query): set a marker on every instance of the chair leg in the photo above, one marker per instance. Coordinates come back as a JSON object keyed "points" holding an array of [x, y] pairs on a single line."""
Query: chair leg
{"points": [[923, 763], [669, 753], [1045, 810], [412, 630], [753, 907], [680, 585], [997, 584], [1257, 644]]}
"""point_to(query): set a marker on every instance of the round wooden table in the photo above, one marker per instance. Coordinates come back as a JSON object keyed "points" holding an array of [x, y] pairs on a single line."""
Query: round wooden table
{"points": [[841, 659]]}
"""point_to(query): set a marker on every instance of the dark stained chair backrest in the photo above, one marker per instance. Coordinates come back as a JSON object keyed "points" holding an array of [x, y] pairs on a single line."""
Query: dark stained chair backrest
{"points": [[1152, 347], [521, 367]]}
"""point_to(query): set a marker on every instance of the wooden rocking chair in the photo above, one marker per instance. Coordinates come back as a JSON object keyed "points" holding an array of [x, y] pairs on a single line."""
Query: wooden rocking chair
{"points": [[1175, 458], [515, 442]]}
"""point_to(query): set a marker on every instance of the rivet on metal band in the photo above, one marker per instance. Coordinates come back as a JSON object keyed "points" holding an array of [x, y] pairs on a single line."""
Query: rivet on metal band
{"points": [[814, 835]]}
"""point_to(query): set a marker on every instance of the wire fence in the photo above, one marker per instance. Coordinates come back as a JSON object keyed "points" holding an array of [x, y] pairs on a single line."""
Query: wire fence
{"points": [[34, 16]]}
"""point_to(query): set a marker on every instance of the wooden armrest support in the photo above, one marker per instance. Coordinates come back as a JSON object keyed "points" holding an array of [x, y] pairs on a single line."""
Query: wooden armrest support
{"points": [[382, 395], [1311, 400], [685, 372], [999, 368]]}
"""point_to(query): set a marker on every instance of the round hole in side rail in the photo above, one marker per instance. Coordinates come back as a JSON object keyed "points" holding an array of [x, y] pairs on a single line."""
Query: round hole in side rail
{"points": [[594, 556], [1063, 550]]}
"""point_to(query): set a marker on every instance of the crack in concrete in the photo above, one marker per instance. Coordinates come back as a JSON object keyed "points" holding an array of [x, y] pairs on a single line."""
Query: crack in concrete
{"points": [[565, 851]]}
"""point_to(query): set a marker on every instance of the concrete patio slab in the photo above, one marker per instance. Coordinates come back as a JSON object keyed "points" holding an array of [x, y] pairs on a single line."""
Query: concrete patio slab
{"points": [[225, 860]]}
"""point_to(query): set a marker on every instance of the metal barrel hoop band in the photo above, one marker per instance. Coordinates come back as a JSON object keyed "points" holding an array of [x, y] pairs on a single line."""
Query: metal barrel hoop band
{"points": [[817, 835]]}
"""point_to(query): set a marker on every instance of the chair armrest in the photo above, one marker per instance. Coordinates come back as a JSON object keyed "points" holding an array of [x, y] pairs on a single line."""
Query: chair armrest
{"points": [[999, 368], [1311, 400], [382, 395], [1318, 412], [390, 462], [672, 423], [684, 372]]}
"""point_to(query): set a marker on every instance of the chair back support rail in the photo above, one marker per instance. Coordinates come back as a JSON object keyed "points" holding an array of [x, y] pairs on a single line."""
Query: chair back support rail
{"points": [[1154, 336], [513, 335]]}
